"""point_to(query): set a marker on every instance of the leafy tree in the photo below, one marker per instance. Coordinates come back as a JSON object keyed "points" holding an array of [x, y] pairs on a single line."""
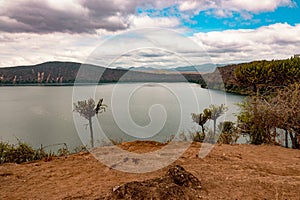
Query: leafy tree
{"points": [[247, 122], [253, 74], [264, 75], [88, 109]]}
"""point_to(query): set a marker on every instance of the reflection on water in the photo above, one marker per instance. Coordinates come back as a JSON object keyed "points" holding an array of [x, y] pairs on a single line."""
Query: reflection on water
{"points": [[43, 115]]}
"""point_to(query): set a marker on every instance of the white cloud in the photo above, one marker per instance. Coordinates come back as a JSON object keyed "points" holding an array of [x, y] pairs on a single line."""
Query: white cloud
{"points": [[189, 5], [146, 21], [225, 8], [268, 42], [31, 48], [255, 6], [149, 46]]}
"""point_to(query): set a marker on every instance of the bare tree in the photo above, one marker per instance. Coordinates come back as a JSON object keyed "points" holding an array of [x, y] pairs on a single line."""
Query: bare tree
{"points": [[215, 112], [88, 109], [263, 116], [201, 119]]}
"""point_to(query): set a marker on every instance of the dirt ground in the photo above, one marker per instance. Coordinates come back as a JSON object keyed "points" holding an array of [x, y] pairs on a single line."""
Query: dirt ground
{"points": [[228, 172]]}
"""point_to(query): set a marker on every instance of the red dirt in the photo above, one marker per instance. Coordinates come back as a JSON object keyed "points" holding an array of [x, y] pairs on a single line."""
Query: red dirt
{"points": [[228, 172]]}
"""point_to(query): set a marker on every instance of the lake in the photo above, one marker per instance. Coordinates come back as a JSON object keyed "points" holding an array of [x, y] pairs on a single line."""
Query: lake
{"points": [[144, 111]]}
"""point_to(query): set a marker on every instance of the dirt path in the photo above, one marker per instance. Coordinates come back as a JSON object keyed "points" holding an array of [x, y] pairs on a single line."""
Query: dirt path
{"points": [[228, 172]]}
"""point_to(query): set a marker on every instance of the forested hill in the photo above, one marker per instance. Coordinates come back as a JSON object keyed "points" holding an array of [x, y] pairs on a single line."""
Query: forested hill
{"points": [[255, 77], [66, 73]]}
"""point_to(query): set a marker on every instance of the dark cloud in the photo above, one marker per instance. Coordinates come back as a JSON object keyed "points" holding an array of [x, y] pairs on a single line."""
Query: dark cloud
{"points": [[102, 8], [149, 55], [40, 17]]}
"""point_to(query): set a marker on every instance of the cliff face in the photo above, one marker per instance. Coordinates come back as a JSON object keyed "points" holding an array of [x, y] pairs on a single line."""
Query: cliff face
{"points": [[222, 78]]}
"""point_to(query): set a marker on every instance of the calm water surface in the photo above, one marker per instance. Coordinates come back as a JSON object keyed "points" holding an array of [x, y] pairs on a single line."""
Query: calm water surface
{"points": [[43, 115]]}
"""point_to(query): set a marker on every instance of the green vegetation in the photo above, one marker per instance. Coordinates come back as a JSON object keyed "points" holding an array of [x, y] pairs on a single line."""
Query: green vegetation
{"points": [[227, 129], [272, 109], [88, 110], [22, 152], [19, 153], [263, 76], [266, 117], [229, 133]]}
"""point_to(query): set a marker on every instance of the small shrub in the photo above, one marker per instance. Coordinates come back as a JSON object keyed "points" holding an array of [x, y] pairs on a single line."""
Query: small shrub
{"points": [[19, 153], [23, 153], [64, 151], [198, 137], [80, 149], [116, 141], [228, 134]]}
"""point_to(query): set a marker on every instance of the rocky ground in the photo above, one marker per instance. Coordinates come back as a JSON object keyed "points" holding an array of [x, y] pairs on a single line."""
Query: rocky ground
{"points": [[228, 172]]}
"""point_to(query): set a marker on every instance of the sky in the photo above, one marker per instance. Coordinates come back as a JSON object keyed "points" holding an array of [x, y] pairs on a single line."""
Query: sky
{"points": [[117, 32]]}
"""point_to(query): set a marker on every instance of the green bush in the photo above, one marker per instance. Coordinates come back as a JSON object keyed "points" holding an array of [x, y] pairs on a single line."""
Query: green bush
{"points": [[20, 153], [228, 134], [198, 137]]}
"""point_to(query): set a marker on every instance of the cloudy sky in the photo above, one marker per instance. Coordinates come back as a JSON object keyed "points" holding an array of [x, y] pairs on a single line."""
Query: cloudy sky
{"points": [[226, 31]]}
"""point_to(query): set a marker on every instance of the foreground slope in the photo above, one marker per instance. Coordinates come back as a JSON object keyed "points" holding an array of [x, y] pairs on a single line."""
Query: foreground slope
{"points": [[228, 172]]}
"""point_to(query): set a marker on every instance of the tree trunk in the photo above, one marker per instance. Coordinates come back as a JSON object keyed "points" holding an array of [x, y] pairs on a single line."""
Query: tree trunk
{"points": [[255, 88], [294, 146], [215, 124], [297, 138], [286, 139], [202, 126], [91, 130]]}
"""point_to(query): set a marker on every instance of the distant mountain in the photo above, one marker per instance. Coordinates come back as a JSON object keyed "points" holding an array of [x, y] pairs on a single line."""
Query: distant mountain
{"points": [[143, 68], [66, 73], [204, 68]]}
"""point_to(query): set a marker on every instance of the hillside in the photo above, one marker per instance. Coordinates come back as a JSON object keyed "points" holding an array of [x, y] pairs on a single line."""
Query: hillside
{"points": [[49, 72], [66, 72], [228, 172]]}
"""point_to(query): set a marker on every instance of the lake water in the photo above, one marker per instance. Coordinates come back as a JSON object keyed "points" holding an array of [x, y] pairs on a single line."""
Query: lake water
{"points": [[145, 111]]}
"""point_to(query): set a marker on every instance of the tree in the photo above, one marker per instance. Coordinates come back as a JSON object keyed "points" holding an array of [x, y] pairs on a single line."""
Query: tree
{"points": [[201, 120], [253, 74], [287, 106], [264, 118], [263, 75], [258, 120], [88, 110], [215, 112]]}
